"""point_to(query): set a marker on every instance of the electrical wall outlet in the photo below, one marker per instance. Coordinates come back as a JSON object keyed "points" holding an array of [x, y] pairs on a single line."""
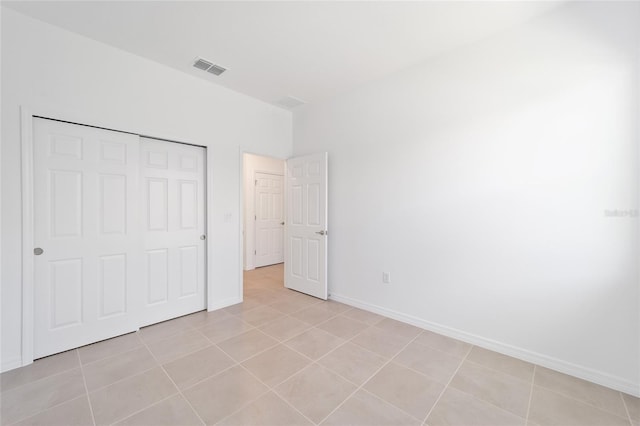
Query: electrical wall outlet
{"points": [[386, 277]]}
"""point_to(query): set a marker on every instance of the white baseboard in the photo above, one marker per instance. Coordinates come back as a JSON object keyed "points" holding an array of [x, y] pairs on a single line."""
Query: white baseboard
{"points": [[599, 377], [219, 304], [10, 364]]}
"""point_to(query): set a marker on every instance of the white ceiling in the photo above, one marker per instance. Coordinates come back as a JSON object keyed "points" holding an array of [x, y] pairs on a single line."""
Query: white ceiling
{"points": [[309, 50]]}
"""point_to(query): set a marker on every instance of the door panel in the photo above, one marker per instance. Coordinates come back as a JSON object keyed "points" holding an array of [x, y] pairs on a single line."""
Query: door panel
{"points": [[173, 198], [85, 220], [306, 225], [269, 219]]}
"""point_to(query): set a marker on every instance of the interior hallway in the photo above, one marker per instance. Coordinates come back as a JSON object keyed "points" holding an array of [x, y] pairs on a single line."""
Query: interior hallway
{"points": [[284, 358]]}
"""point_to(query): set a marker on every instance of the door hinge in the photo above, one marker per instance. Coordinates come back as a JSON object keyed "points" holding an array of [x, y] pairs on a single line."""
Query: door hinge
{"points": [[256, 182], [255, 252], [255, 217]]}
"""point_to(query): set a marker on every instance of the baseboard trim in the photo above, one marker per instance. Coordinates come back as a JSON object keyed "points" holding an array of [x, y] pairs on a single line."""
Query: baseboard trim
{"points": [[552, 363], [219, 304], [11, 363]]}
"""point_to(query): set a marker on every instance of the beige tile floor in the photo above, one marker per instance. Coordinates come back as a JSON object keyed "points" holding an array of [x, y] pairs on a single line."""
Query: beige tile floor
{"points": [[283, 358]]}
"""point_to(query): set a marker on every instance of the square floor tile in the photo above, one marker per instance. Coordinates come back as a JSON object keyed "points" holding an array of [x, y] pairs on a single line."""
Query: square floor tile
{"points": [[381, 341], [315, 314], [268, 410], [633, 406], [126, 397], [275, 365], [162, 330], [31, 398], [195, 367], [109, 370], [496, 388], [406, 389], [520, 369], [72, 413], [260, 315], [343, 327], [110, 347], [170, 412], [285, 328], [314, 343], [40, 369], [551, 408], [456, 408], [353, 362], [366, 317], [315, 392], [225, 329], [177, 346], [399, 328], [432, 362], [222, 395], [443, 343], [247, 344], [204, 318], [596, 395], [364, 409]]}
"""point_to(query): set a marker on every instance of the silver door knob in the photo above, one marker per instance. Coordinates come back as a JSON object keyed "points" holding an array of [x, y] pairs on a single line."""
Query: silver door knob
{"points": [[323, 232], [203, 237], [38, 251]]}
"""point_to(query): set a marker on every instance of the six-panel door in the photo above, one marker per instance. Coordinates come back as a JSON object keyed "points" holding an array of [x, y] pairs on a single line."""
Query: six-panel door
{"points": [[119, 223], [269, 218], [172, 200], [85, 223], [306, 225]]}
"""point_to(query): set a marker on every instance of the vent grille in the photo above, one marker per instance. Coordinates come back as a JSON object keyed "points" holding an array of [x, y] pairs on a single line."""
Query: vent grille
{"points": [[216, 69], [208, 66]]}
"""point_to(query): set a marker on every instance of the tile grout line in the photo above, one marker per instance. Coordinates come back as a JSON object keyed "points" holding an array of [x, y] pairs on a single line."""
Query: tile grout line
{"points": [[176, 386], [270, 389], [624, 404], [446, 386], [86, 389], [370, 377], [42, 378], [582, 401], [533, 380]]}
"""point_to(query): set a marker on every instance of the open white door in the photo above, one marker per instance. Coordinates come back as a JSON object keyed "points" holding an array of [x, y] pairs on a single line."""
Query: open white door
{"points": [[306, 225]]}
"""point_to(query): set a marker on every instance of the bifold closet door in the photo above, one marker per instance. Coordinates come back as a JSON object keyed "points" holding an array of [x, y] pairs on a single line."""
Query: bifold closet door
{"points": [[86, 234], [172, 206]]}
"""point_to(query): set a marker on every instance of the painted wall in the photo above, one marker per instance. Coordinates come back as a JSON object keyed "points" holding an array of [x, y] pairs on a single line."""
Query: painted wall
{"points": [[252, 164], [485, 180], [47, 68]]}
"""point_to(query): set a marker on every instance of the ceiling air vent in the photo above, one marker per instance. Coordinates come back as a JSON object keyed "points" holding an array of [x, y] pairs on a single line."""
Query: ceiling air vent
{"points": [[204, 65], [216, 69], [290, 102]]}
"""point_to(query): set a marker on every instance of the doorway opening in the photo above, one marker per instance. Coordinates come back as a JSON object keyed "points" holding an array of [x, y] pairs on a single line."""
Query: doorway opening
{"points": [[263, 236]]}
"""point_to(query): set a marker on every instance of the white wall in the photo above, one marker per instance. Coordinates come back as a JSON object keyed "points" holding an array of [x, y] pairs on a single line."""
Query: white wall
{"points": [[44, 67], [480, 179], [252, 164]]}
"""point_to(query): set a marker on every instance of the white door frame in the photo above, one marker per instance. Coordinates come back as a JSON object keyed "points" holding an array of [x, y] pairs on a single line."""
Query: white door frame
{"points": [[242, 229], [27, 114]]}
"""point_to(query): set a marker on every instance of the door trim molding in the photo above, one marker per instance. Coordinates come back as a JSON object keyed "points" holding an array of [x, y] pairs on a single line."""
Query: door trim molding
{"points": [[27, 114], [26, 140]]}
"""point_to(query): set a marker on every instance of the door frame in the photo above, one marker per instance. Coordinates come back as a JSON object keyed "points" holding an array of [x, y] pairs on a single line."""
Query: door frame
{"points": [[242, 209], [27, 115]]}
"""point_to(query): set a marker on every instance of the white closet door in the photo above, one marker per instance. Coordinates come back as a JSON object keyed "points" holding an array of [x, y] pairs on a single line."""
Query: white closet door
{"points": [[172, 205], [86, 235], [269, 207]]}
